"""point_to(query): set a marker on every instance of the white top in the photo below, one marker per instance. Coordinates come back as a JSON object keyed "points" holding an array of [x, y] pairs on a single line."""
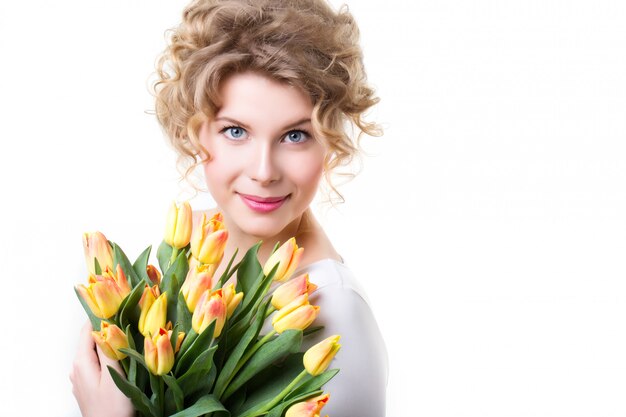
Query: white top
{"points": [[359, 388]]}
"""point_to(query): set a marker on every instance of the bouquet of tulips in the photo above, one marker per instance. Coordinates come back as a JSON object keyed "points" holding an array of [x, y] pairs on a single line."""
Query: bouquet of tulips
{"points": [[190, 342]]}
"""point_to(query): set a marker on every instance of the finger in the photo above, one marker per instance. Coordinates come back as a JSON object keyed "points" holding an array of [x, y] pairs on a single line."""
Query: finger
{"points": [[86, 345], [106, 361]]}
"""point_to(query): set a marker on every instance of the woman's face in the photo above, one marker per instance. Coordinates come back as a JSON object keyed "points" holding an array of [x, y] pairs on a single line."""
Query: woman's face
{"points": [[266, 165]]}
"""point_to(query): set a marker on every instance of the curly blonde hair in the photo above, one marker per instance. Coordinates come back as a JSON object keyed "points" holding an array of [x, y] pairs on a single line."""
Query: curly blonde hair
{"points": [[303, 43]]}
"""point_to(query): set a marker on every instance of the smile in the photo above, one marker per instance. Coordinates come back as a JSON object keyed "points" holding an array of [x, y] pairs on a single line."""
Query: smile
{"points": [[263, 204]]}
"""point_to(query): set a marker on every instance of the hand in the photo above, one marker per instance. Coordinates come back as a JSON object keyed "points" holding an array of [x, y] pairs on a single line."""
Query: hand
{"points": [[92, 385]]}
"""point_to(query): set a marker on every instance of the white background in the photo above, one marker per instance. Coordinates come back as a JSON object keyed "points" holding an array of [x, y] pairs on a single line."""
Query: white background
{"points": [[488, 225]]}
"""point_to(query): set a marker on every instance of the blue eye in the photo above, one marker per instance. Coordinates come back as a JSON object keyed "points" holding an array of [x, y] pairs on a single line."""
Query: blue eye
{"points": [[234, 132], [296, 136]]}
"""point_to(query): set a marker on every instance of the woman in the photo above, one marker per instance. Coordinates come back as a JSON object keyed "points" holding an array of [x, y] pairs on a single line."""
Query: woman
{"points": [[260, 93]]}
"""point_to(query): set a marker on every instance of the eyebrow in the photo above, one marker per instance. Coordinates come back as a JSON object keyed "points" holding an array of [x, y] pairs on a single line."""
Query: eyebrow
{"points": [[238, 123]]}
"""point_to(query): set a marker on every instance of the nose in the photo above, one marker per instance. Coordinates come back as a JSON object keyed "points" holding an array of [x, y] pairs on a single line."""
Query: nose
{"points": [[262, 164]]}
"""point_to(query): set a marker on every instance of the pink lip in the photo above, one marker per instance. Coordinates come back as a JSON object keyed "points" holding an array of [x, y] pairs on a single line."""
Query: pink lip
{"points": [[263, 204]]}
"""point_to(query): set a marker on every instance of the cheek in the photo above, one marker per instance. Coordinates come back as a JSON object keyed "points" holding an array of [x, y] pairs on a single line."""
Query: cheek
{"points": [[307, 170]]}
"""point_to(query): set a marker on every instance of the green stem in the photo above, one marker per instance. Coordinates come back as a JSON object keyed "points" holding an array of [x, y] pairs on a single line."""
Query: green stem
{"points": [[268, 406], [270, 311]]}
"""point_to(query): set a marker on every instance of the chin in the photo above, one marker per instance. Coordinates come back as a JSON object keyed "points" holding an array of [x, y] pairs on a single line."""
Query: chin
{"points": [[263, 229]]}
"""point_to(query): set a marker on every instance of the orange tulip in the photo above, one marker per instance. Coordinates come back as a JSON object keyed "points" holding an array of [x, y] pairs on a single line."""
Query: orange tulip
{"points": [[178, 226], [232, 298], [298, 314], [153, 311], [291, 289], [96, 246], [308, 408], [158, 352], [211, 306], [198, 280], [319, 356], [288, 257], [105, 293], [208, 240], [110, 339]]}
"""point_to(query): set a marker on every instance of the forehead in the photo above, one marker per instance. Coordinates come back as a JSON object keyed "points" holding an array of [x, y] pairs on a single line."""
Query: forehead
{"points": [[260, 97]]}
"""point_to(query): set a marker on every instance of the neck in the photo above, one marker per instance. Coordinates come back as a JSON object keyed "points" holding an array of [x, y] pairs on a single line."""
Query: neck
{"points": [[243, 241]]}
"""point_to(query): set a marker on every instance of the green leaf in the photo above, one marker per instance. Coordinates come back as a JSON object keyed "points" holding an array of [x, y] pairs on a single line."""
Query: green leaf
{"points": [[312, 383], [249, 269], [199, 345], [176, 390], [187, 342], [120, 258], [141, 402], [183, 315], [251, 334], [135, 356], [140, 265], [171, 283], [164, 253], [270, 382], [95, 321], [206, 404], [250, 304], [199, 369], [287, 342], [228, 271], [129, 310], [96, 266], [132, 369]]}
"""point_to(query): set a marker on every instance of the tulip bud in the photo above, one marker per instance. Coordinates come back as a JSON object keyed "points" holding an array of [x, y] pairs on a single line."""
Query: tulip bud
{"points": [[119, 277], [110, 339], [232, 299], [153, 311], [178, 226], [158, 352], [154, 274], [208, 240], [308, 408], [211, 306], [298, 314], [291, 289], [104, 293], [318, 357], [96, 246], [198, 280], [288, 257]]}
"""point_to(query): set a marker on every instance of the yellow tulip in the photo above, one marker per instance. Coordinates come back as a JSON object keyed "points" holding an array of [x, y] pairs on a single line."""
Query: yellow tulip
{"points": [[232, 299], [178, 225], [198, 280], [96, 246], [105, 293], [291, 289], [319, 356], [308, 408], [211, 306], [288, 257], [158, 352], [208, 240], [153, 311], [110, 339], [154, 274], [298, 314]]}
